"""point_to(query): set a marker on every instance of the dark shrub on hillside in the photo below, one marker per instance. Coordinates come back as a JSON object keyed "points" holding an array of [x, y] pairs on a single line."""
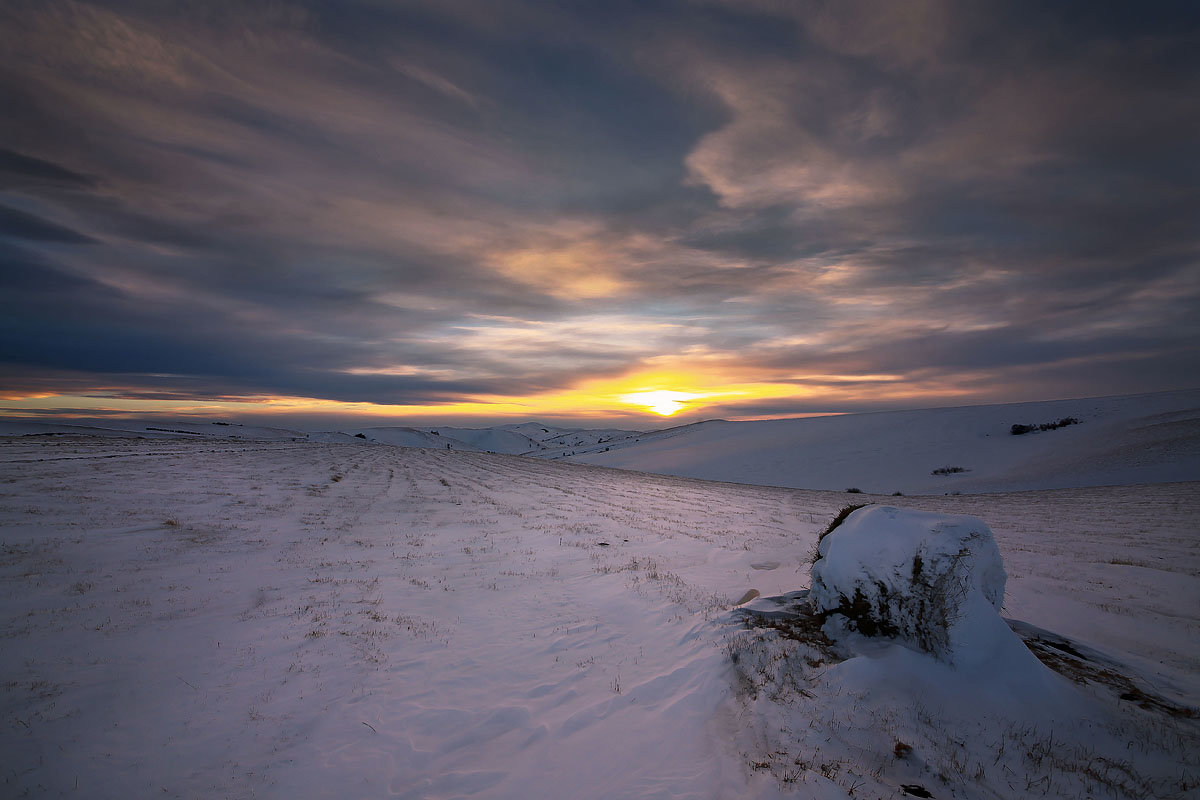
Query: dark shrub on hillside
{"points": [[948, 470], [361, 435], [854, 490], [1017, 430]]}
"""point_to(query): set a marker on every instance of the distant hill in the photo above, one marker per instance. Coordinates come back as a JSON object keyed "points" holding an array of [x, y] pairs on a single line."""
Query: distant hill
{"points": [[492, 440], [527, 438], [1150, 438], [406, 437]]}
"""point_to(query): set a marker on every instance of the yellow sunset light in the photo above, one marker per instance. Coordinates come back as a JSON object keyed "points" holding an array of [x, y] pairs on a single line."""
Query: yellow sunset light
{"points": [[661, 401], [697, 384]]}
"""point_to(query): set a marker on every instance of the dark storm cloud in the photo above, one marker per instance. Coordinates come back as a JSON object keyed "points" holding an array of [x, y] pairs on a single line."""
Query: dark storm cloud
{"points": [[420, 202]]}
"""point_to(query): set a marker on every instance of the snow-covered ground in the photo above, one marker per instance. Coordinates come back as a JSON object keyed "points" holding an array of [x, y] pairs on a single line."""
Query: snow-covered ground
{"points": [[217, 618], [1148, 438]]}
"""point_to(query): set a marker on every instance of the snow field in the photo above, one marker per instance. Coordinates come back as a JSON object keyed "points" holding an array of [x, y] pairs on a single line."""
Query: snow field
{"points": [[300, 620], [303, 619]]}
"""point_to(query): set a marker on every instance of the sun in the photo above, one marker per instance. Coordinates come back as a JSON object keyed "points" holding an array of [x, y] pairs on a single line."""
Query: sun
{"points": [[662, 401]]}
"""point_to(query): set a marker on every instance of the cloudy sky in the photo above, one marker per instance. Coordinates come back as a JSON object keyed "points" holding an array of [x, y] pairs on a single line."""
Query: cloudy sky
{"points": [[480, 211]]}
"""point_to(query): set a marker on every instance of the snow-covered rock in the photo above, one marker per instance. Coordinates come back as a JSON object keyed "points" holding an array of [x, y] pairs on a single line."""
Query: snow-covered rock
{"points": [[933, 581]]}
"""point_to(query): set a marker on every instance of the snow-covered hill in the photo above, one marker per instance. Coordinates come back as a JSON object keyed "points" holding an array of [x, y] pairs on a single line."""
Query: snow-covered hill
{"points": [[493, 440], [1118, 440], [408, 437], [1112, 441], [579, 441], [529, 438], [200, 618]]}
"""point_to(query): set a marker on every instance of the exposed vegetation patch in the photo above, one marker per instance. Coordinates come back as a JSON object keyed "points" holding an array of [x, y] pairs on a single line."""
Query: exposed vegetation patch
{"points": [[949, 470], [1018, 429], [1083, 666], [800, 627], [796, 621]]}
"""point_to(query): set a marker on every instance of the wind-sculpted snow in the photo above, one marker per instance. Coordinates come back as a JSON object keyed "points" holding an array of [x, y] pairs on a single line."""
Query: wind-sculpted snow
{"points": [[295, 619]]}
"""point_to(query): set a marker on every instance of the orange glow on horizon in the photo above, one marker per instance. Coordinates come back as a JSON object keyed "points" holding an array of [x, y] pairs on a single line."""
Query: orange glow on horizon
{"points": [[680, 384]]}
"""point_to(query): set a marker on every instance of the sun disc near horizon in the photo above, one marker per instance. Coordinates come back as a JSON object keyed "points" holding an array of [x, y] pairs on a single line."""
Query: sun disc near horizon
{"points": [[661, 401]]}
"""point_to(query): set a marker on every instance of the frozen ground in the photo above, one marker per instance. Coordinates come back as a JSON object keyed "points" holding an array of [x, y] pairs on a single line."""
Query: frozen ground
{"points": [[297, 619]]}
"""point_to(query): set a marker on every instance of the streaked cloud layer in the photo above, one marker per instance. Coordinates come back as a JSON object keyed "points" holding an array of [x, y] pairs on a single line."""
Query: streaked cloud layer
{"points": [[478, 210]]}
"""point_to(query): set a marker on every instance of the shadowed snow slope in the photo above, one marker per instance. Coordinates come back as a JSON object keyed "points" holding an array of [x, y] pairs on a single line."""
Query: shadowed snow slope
{"points": [[1120, 440], [295, 619]]}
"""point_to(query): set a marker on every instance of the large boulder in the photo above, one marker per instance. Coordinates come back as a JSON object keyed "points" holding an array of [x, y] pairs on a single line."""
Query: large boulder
{"points": [[934, 582]]}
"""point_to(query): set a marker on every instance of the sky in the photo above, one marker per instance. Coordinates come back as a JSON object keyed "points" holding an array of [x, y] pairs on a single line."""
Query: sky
{"points": [[635, 213]]}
